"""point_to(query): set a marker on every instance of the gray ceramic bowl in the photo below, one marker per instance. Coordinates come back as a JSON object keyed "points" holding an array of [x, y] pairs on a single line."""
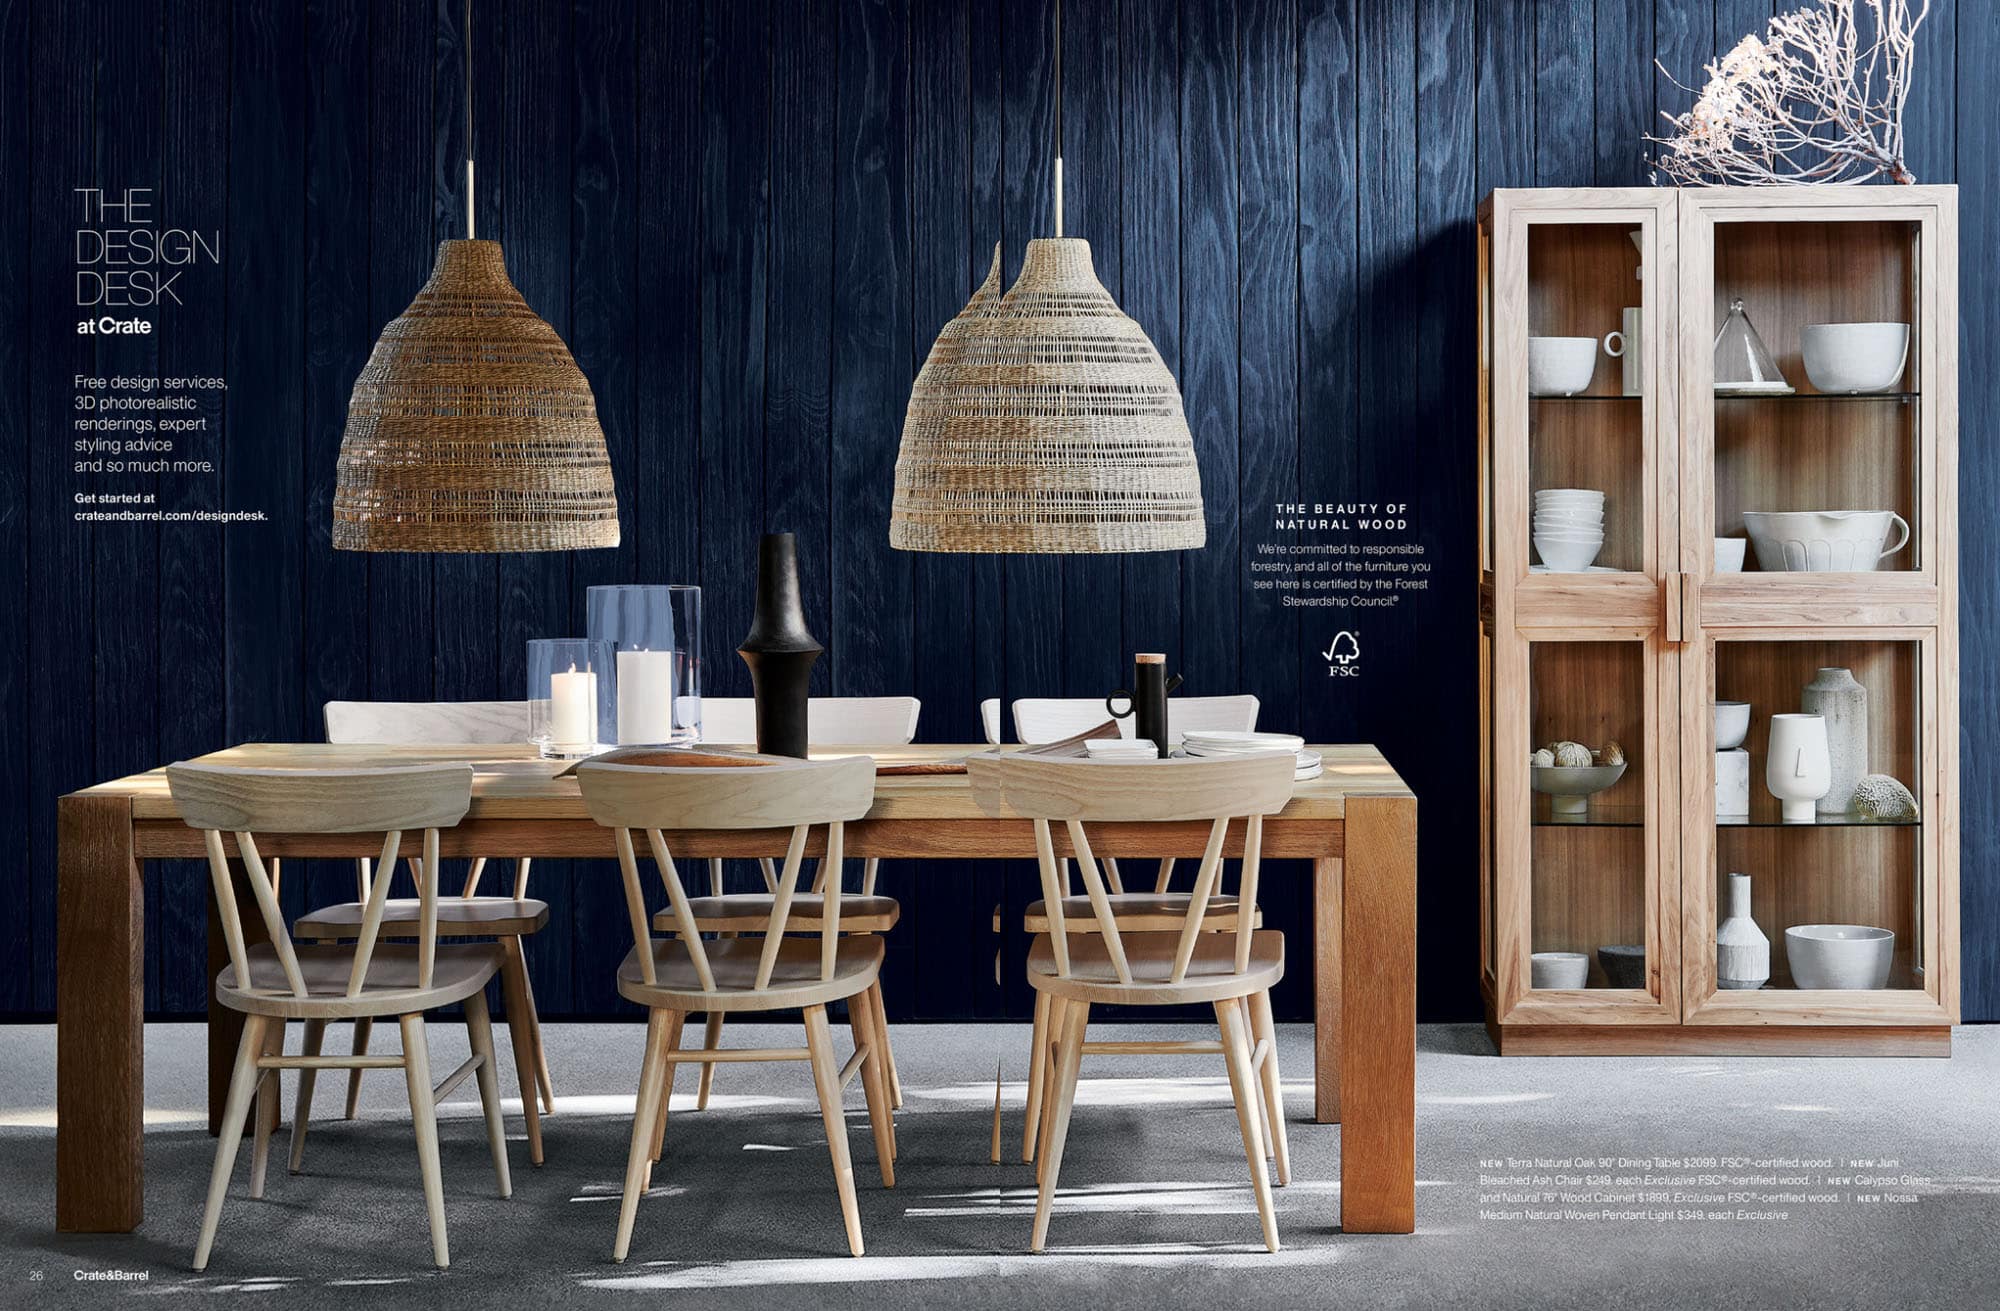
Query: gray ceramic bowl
{"points": [[1624, 966], [1570, 787], [1847, 956], [1558, 969]]}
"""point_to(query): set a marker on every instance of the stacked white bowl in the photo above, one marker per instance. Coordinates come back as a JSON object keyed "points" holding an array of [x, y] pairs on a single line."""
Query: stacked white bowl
{"points": [[1569, 528]]}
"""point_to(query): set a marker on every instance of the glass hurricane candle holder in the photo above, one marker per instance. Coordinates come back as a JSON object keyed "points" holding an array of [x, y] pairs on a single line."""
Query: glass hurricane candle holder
{"points": [[567, 682], [654, 690]]}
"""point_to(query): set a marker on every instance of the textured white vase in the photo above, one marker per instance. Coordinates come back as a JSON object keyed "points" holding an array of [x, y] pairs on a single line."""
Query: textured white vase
{"points": [[1836, 697], [1732, 783], [1797, 769], [1742, 952]]}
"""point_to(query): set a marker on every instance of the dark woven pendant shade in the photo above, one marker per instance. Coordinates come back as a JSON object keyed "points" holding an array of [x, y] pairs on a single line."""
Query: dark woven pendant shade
{"points": [[471, 428]]}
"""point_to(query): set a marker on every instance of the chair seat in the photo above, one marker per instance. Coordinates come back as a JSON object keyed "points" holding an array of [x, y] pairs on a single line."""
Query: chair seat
{"points": [[1210, 976], [794, 982], [460, 970], [749, 912], [457, 917], [1136, 912]]}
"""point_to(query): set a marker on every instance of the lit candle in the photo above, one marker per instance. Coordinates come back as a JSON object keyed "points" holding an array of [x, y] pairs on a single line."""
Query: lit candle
{"points": [[573, 709], [645, 696]]}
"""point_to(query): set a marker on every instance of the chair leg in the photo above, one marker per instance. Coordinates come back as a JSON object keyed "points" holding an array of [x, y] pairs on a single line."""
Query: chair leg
{"points": [[242, 1086], [1052, 1039], [1037, 1045], [1231, 1016], [711, 1038], [423, 1114], [268, 1090], [362, 1028], [874, 1082], [881, 1012], [676, 1025], [826, 1081], [479, 1031], [521, 1036], [638, 1158], [1076, 1016], [302, 1108], [1263, 1029], [542, 1080]]}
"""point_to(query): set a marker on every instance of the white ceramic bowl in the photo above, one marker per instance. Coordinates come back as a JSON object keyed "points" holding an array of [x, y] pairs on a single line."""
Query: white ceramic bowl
{"points": [[1729, 554], [1855, 357], [1560, 366], [1554, 517], [1551, 495], [1569, 539], [1847, 956], [1558, 969], [1823, 541], [1570, 787], [1732, 724], [1567, 557]]}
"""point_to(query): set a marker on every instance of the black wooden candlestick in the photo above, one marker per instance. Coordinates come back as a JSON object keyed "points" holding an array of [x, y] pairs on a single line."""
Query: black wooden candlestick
{"points": [[780, 650]]}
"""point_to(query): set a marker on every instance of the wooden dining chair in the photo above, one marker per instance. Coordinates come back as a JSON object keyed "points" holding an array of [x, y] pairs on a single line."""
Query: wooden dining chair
{"points": [[831, 721], [1166, 963], [672, 977], [471, 914], [275, 982], [1051, 720]]}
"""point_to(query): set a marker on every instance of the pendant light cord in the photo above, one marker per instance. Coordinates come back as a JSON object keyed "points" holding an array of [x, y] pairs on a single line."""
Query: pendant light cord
{"points": [[471, 231], [1058, 116]]}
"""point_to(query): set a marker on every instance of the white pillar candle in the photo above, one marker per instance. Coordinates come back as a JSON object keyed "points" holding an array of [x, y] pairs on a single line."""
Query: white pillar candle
{"points": [[573, 708], [645, 696]]}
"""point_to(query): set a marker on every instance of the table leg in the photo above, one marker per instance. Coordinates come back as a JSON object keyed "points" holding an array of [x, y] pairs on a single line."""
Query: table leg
{"points": [[100, 1018], [1378, 1066], [1327, 931], [225, 1027]]}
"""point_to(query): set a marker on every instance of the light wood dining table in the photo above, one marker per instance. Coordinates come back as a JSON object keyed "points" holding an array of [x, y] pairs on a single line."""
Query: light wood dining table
{"points": [[1357, 824]]}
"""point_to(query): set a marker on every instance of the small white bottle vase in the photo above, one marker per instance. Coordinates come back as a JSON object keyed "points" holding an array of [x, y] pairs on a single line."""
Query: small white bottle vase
{"points": [[1836, 697], [1797, 769], [1742, 952]]}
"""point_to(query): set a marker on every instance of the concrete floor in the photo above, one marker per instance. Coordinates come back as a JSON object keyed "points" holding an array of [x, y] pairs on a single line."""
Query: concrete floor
{"points": [[1155, 1209]]}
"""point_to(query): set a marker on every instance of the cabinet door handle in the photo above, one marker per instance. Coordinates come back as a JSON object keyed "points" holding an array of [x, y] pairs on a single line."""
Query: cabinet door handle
{"points": [[1673, 602]]}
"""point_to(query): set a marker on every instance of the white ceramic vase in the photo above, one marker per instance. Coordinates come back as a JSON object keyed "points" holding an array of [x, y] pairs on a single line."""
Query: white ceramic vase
{"points": [[1742, 952], [1836, 697], [1797, 769]]}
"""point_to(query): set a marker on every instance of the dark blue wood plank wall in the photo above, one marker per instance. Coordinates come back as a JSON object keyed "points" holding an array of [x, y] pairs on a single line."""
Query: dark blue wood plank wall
{"points": [[749, 222]]}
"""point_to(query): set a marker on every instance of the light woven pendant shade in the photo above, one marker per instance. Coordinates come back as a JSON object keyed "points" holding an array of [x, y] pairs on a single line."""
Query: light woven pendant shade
{"points": [[1044, 421], [471, 428]]}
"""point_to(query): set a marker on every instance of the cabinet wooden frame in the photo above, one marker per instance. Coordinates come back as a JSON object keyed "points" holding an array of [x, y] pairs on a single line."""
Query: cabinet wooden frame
{"points": [[1669, 601]]}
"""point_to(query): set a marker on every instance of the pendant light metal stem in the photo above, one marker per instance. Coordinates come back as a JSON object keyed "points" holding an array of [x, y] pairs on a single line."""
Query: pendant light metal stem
{"points": [[1058, 124], [471, 229]]}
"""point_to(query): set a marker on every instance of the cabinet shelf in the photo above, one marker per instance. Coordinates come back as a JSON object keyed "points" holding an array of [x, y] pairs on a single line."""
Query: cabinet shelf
{"points": [[1817, 397], [1628, 816]]}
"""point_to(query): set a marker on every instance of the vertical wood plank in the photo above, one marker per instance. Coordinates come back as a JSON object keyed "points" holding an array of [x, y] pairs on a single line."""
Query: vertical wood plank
{"points": [[1378, 1075], [603, 316], [1212, 578], [1621, 91], [931, 941], [1506, 95], [190, 683], [1149, 286], [339, 334], [16, 327], [664, 518], [1565, 88]]}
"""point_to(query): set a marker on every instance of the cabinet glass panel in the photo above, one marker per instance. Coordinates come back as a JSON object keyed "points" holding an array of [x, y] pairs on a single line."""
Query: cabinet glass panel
{"points": [[1813, 807], [1586, 410], [1816, 464], [1590, 848]]}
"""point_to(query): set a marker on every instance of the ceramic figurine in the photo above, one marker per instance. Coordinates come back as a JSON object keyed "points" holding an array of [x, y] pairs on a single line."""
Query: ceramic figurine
{"points": [[1836, 697], [779, 650], [1880, 799], [1797, 769], [1742, 952]]}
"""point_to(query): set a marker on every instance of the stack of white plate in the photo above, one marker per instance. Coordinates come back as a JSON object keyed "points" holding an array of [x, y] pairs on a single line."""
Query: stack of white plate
{"points": [[1569, 528], [1121, 748], [1217, 745]]}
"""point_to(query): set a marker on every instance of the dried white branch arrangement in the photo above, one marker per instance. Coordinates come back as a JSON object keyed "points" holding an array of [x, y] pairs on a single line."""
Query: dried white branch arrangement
{"points": [[1808, 102]]}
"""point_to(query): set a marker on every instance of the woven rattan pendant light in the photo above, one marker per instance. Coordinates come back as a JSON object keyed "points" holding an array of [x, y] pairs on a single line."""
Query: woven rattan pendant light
{"points": [[471, 427], [1044, 421]]}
